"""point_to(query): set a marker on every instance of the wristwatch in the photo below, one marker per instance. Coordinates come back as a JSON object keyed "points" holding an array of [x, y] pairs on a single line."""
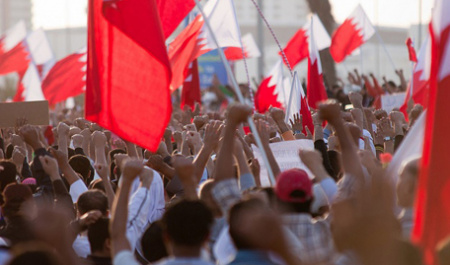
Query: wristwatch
{"points": [[387, 138]]}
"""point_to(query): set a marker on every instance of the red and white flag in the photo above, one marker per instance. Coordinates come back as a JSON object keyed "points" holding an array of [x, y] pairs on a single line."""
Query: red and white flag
{"points": [[271, 91], [297, 48], [172, 12], [29, 86], [432, 211], [418, 89], [16, 59], [12, 37], [298, 103], [315, 88], [128, 74], [66, 79], [411, 50], [41, 51], [354, 32], [196, 40], [190, 93], [251, 50]]}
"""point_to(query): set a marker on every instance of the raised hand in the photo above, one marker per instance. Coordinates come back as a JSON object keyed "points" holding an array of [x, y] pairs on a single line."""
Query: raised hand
{"points": [[131, 169], [213, 131], [356, 99], [330, 111], [277, 114], [31, 136], [238, 113], [297, 124], [50, 166], [77, 140]]}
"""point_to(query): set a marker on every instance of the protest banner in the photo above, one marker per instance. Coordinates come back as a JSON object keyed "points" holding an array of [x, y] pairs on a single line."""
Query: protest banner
{"points": [[286, 154], [35, 112], [390, 102], [210, 65]]}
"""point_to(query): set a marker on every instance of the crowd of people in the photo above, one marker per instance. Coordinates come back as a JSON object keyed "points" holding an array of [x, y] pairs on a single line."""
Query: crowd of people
{"points": [[78, 194]]}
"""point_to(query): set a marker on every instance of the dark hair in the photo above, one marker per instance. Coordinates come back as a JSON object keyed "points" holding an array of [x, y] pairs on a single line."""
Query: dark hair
{"points": [[187, 223], [82, 165], [152, 243], [99, 185], [98, 233], [92, 200], [8, 174], [234, 220], [9, 151], [33, 253]]}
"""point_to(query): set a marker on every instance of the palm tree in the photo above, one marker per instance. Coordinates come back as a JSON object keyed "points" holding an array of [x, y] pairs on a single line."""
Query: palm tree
{"points": [[323, 9]]}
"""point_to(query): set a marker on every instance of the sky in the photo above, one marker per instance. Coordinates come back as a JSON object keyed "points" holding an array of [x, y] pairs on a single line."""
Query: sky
{"points": [[397, 13]]}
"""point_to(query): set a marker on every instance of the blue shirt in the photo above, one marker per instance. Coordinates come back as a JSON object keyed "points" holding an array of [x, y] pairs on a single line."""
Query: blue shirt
{"points": [[251, 257]]}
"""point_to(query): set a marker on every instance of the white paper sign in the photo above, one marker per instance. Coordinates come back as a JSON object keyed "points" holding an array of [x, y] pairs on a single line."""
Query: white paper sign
{"points": [[390, 102], [286, 154]]}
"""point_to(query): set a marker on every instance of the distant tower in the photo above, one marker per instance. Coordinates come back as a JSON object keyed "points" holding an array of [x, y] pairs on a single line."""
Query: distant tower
{"points": [[12, 11]]}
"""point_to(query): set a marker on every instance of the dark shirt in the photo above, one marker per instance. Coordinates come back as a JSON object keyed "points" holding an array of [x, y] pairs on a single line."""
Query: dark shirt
{"points": [[98, 260]]}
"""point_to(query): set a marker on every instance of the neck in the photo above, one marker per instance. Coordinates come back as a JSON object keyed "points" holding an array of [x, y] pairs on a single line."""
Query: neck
{"points": [[186, 251]]}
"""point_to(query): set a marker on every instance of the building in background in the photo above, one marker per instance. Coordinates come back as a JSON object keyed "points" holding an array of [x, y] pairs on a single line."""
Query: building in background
{"points": [[12, 11]]}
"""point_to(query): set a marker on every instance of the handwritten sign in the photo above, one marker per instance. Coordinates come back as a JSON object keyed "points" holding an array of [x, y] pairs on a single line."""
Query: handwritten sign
{"points": [[286, 154], [390, 102], [35, 112]]}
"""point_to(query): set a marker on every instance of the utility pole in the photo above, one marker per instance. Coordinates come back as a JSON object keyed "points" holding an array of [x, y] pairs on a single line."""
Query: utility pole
{"points": [[420, 24], [260, 28]]}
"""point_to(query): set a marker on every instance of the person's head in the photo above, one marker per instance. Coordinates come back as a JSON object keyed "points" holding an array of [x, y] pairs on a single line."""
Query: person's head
{"points": [[99, 238], [7, 175], [294, 191], [14, 196], [207, 198], [187, 224], [407, 183], [33, 253], [152, 243], [82, 166], [238, 216], [92, 200]]}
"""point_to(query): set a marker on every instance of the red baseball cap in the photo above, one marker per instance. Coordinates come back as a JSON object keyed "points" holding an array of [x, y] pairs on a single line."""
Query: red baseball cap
{"points": [[291, 180]]}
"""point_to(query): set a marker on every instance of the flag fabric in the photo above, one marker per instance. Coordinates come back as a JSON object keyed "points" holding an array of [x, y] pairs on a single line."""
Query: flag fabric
{"points": [[411, 50], [297, 48], [128, 74], [29, 86], [354, 32], [190, 93], [15, 60], [196, 40], [271, 91], [419, 87], [172, 12], [66, 79], [40, 51], [298, 103], [315, 88], [433, 194], [12, 37], [251, 50]]}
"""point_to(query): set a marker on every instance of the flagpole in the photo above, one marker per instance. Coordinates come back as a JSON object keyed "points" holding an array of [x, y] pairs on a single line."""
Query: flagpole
{"points": [[291, 94], [238, 93], [385, 50]]}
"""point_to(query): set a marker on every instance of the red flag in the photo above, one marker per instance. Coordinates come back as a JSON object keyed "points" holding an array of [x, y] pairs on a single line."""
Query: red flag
{"points": [[128, 76], [354, 32], [66, 79], [251, 50], [172, 12], [411, 50], [196, 39], [433, 195], [316, 89], [191, 87], [297, 48], [15, 60], [270, 90]]}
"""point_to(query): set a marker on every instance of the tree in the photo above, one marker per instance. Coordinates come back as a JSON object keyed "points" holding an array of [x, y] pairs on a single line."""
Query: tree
{"points": [[323, 9]]}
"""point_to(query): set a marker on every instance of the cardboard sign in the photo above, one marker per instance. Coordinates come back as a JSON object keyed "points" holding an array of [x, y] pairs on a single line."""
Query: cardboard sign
{"points": [[286, 154], [35, 112], [390, 102]]}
